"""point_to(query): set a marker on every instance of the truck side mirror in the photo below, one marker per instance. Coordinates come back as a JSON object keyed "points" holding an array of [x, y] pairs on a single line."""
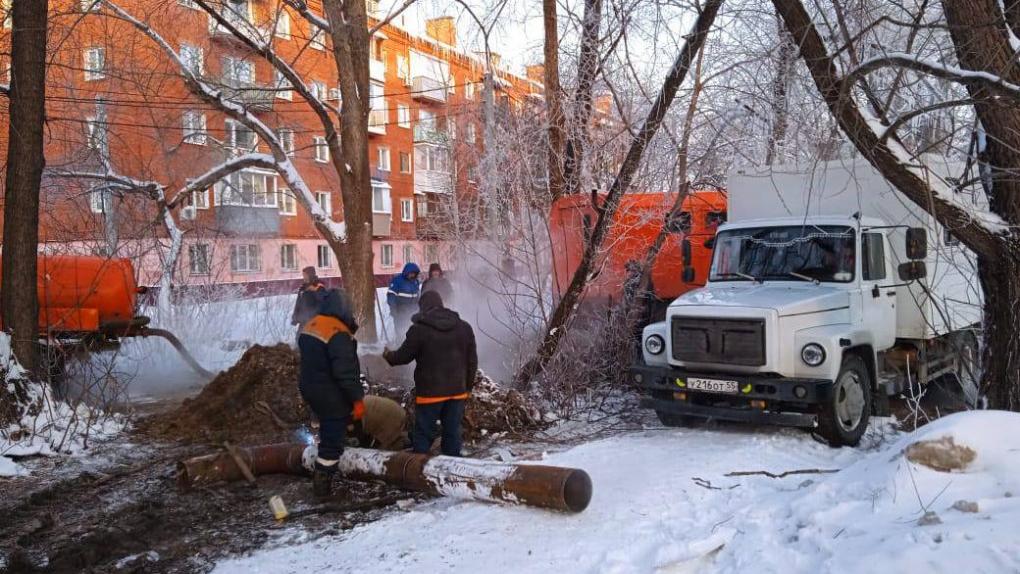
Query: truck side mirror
{"points": [[688, 274], [685, 252], [912, 270], [917, 243]]}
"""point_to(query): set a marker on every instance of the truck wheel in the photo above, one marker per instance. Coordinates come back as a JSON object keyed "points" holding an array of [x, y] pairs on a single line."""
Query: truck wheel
{"points": [[844, 418]]}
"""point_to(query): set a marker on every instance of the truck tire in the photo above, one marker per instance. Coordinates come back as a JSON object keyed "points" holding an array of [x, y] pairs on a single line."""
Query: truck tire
{"points": [[844, 417]]}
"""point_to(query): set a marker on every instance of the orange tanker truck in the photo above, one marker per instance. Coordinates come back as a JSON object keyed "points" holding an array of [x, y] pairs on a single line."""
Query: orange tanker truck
{"points": [[88, 303], [635, 227]]}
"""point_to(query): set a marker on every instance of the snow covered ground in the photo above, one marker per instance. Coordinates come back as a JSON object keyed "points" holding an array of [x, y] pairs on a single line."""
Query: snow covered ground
{"points": [[663, 503]]}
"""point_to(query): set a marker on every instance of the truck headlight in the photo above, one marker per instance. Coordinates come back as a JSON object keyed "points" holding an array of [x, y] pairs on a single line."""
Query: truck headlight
{"points": [[655, 345], [812, 354]]}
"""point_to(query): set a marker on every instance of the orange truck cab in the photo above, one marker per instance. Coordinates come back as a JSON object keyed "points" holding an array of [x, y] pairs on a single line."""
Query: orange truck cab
{"points": [[85, 295], [636, 225]]}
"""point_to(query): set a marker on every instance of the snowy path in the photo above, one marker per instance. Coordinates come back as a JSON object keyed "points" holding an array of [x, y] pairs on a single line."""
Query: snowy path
{"points": [[648, 515]]}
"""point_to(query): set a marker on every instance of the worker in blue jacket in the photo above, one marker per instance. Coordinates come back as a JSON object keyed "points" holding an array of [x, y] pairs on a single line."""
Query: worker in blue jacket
{"points": [[402, 298]]}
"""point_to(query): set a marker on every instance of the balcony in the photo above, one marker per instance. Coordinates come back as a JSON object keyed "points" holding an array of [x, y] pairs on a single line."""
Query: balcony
{"points": [[377, 70], [433, 181], [382, 224], [377, 120], [255, 98], [429, 89], [241, 23], [424, 133]]}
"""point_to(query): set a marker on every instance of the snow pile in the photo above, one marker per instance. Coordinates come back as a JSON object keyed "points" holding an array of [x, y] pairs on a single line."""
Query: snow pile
{"points": [[666, 501], [39, 425]]}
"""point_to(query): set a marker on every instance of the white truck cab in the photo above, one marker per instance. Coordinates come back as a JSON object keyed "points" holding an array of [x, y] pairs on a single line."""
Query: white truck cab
{"points": [[817, 307]]}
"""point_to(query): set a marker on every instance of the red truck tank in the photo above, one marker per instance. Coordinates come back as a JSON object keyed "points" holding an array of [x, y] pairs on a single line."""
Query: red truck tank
{"points": [[84, 294], [634, 229]]}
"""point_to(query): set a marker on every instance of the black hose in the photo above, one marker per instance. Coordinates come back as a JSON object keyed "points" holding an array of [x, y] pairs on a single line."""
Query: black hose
{"points": [[149, 332]]}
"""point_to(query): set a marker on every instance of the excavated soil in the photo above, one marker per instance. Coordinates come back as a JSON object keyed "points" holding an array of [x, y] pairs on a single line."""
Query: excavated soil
{"points": [[257, 401]]}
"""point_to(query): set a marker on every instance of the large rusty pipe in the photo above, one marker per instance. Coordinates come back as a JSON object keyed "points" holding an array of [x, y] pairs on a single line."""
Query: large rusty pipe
{"points": [[557, 488]]}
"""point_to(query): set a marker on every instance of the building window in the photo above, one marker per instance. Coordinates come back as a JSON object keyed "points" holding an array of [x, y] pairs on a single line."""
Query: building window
{"points": [[283, 86], [238, 73], [90, 5], [469, 91], [282, 28], [318, 90], [239, 136], [100, 201], [193, 58], [471, 135], [288, 257], [451, 129], [288, 203], [198, 259], [321, 150], [408, 253], [403, 116], [403, 68], [287, 140], [188, 4], [245, 258], [405, 162], [199, 199], [95, 64], [247, 189], [386, 255], [318, 40], [324, 257], [383, 155], [432, 253], [381, 202], [431, 158], [323, 199], [193, 124], [423, 207], [406, 210], [97, 137]]}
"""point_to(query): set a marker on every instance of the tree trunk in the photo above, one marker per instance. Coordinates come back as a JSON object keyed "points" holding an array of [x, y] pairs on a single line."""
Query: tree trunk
{"points": [[982, 43], [553, 98], [25, 161], [349, 29], [587, 71], [556, 328]]}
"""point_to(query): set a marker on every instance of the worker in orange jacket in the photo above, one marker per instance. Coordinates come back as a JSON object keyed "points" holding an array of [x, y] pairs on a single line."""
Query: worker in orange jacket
{"points": [[331, 381], [442, 345]]}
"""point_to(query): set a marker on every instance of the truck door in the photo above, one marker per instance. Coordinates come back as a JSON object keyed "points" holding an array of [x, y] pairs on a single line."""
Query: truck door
{"points": [[879, 303]]}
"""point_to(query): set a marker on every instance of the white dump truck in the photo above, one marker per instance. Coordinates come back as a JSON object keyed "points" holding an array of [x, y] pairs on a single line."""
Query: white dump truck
{"points": [[828, 293]]}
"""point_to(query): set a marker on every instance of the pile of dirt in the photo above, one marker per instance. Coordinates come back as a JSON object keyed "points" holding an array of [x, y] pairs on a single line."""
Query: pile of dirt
{"points": [[255, 401], [494, 409]]}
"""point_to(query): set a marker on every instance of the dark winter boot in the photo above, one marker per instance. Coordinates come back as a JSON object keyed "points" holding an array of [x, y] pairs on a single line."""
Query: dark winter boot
{"points": [[322, 477]]}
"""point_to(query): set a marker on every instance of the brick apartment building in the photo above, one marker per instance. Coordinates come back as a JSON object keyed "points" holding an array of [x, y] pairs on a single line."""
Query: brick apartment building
{"points": [[115, 100]]}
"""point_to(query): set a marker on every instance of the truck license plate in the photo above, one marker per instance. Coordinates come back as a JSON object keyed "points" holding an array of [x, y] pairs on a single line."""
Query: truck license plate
{"points": [[712, 385]]}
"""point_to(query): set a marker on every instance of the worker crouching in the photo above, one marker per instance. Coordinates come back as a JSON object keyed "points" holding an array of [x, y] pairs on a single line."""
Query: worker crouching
{"points": [[446, 362], [331, 381]]}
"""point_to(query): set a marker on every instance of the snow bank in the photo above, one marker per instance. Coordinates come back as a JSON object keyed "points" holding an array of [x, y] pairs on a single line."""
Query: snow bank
{"points": [[45, 426], [663, 503]]}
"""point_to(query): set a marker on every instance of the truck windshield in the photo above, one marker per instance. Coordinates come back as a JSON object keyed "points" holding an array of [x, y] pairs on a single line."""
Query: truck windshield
{"points": [[790, 253]]}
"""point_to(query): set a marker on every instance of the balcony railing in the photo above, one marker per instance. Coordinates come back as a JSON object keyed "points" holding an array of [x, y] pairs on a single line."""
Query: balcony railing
{"points": [[255, 98], [426, 88], [382, 224], [429, 134], [377, 120], [431, 181], [377, 70]]}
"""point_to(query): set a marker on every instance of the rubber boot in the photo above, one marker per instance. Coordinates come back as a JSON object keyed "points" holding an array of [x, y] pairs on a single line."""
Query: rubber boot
{"points": [[322, 478]]}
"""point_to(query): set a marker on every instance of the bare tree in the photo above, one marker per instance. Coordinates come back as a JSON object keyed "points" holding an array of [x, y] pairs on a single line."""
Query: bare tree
{"points": [[981, 39], [556, 327], [553, 97], [18, 299]]}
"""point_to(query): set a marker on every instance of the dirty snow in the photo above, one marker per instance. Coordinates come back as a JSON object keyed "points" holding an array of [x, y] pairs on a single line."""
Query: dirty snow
{"points": [[662, 503]]}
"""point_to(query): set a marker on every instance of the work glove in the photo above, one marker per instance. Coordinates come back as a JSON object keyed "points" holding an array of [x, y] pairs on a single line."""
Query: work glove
{"points": [[358, 411]]}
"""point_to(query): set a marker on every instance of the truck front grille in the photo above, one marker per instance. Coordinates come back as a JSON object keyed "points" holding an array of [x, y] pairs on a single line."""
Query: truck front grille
{"points": [[726, 341]]}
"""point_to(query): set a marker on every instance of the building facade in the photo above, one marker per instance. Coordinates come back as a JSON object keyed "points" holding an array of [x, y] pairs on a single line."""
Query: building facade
{"points": [[118, 105]]}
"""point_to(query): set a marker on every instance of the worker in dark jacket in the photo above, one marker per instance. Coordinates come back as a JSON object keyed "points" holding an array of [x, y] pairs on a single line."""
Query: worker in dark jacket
{"points": [[331, 381], [446, 362], [438, 282], [402, 297], [309, 298]]}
